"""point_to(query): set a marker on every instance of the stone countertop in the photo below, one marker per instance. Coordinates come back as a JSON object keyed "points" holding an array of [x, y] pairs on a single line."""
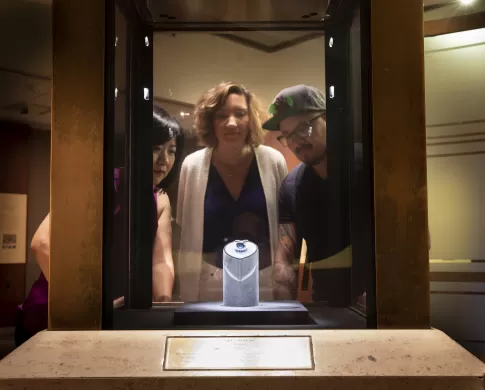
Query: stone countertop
{"points": [[427, 355]]}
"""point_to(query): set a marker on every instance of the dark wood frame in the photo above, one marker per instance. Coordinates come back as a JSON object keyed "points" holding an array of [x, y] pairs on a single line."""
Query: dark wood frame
{"points": [[81, 117], [399, 138], [271, 49], [140, 164], [82, 36]]}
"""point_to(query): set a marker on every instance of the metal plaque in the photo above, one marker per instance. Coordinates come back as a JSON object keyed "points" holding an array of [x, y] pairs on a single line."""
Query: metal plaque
{"points": [[238, 353]]}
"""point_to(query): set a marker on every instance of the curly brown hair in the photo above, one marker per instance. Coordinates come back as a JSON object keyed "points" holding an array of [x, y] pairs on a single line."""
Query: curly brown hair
{"points": [[212, 100]]}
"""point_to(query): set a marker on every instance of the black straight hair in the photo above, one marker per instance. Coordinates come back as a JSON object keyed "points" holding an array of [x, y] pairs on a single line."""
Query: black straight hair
{"points": [[166, 128]]}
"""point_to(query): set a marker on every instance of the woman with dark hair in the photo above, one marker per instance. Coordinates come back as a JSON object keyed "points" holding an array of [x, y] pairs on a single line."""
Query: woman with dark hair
{"points": [[167, 146], [168, 136]]}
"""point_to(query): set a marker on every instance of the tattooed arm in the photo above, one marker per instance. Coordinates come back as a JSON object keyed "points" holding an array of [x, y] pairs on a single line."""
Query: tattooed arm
{"points": [[286, 264]]}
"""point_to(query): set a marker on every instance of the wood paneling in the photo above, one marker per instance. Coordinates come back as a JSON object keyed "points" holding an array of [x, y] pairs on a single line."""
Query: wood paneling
{"points": [[399, 137], [285, 44], [78, 102], [455, 24]]}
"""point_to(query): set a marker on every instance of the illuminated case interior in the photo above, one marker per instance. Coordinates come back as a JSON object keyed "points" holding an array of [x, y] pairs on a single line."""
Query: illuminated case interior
{"points": [[130, 98]]}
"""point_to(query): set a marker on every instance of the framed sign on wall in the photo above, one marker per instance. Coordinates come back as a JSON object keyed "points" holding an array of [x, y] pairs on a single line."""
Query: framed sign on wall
{"points": [[13, 228]]}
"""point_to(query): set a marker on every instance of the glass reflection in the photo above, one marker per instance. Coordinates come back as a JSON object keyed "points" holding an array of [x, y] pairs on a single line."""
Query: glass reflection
{"points": [[119, 250], [238, 189], [167, 146], [299, 114], [253, 167], [167, 141]]}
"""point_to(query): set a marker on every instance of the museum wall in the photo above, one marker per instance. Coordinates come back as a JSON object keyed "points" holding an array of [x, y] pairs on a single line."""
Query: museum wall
{"points": [[455, 96], [187, 64], [14, 174], [25, 162]]}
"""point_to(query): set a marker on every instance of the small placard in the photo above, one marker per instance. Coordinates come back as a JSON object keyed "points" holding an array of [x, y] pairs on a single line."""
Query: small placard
{"points": [[238, 353], [13, 228]]}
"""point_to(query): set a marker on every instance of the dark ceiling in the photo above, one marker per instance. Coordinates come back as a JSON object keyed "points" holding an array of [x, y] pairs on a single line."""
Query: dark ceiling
{"points": [[303, 13]]}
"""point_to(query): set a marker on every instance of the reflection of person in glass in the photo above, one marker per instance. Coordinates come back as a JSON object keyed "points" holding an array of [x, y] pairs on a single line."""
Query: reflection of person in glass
{"points": [[299, 114], [167, 147], [227, 191], [167, 144]]}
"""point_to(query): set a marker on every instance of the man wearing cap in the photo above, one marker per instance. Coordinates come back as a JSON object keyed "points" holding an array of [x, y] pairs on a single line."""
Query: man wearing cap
{"points": [[299, 113]]}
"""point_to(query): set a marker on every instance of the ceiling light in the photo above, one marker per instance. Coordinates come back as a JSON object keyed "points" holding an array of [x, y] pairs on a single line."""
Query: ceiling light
{"points": [[466, 2]]}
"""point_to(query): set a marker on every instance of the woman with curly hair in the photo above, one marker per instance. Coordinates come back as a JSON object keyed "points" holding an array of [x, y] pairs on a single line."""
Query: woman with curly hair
{"points": [[227, 191]]}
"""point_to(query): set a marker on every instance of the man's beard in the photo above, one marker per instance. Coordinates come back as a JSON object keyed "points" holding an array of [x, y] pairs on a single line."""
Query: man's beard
{"points": [[310, 159]]}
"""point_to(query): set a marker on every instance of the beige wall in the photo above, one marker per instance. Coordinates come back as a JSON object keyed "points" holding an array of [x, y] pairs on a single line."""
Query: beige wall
{"points": [[187, 64], [455, 99]]}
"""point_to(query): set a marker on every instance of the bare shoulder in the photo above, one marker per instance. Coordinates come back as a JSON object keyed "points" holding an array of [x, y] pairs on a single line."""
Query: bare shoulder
{"points": [[163, 202]]}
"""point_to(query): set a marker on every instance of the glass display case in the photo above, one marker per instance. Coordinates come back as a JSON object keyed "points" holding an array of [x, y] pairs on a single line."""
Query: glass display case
{"points": [[256, 209]]}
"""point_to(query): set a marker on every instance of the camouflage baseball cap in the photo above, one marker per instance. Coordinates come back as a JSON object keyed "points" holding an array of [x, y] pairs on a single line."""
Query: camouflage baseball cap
{"points": [[291, 101]]}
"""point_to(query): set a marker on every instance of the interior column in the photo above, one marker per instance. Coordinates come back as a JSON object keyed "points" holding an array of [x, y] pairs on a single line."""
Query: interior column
{"points": [[399, 149], [78, 122]]}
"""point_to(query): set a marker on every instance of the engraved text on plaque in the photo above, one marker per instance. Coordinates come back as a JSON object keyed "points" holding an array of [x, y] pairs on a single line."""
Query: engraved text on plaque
{"points": [[239, 353]]}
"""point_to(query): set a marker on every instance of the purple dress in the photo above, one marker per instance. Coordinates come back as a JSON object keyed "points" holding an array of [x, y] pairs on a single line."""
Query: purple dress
{"points": [[34, 307], [33, 312]]}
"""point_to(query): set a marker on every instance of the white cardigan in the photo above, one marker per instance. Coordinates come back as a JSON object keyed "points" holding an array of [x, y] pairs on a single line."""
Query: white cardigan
{"points": [[190, 210]]}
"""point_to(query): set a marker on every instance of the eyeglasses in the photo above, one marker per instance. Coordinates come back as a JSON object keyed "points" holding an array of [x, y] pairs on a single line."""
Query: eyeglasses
{"points": [[301, 132]]}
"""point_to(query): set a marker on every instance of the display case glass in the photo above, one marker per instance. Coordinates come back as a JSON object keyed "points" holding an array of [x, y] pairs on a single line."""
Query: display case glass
{"points": [[241, 166]]}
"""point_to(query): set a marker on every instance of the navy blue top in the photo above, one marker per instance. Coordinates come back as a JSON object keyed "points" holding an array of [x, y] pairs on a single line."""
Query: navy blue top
{"points": [[305, 200], [226, 219]]}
